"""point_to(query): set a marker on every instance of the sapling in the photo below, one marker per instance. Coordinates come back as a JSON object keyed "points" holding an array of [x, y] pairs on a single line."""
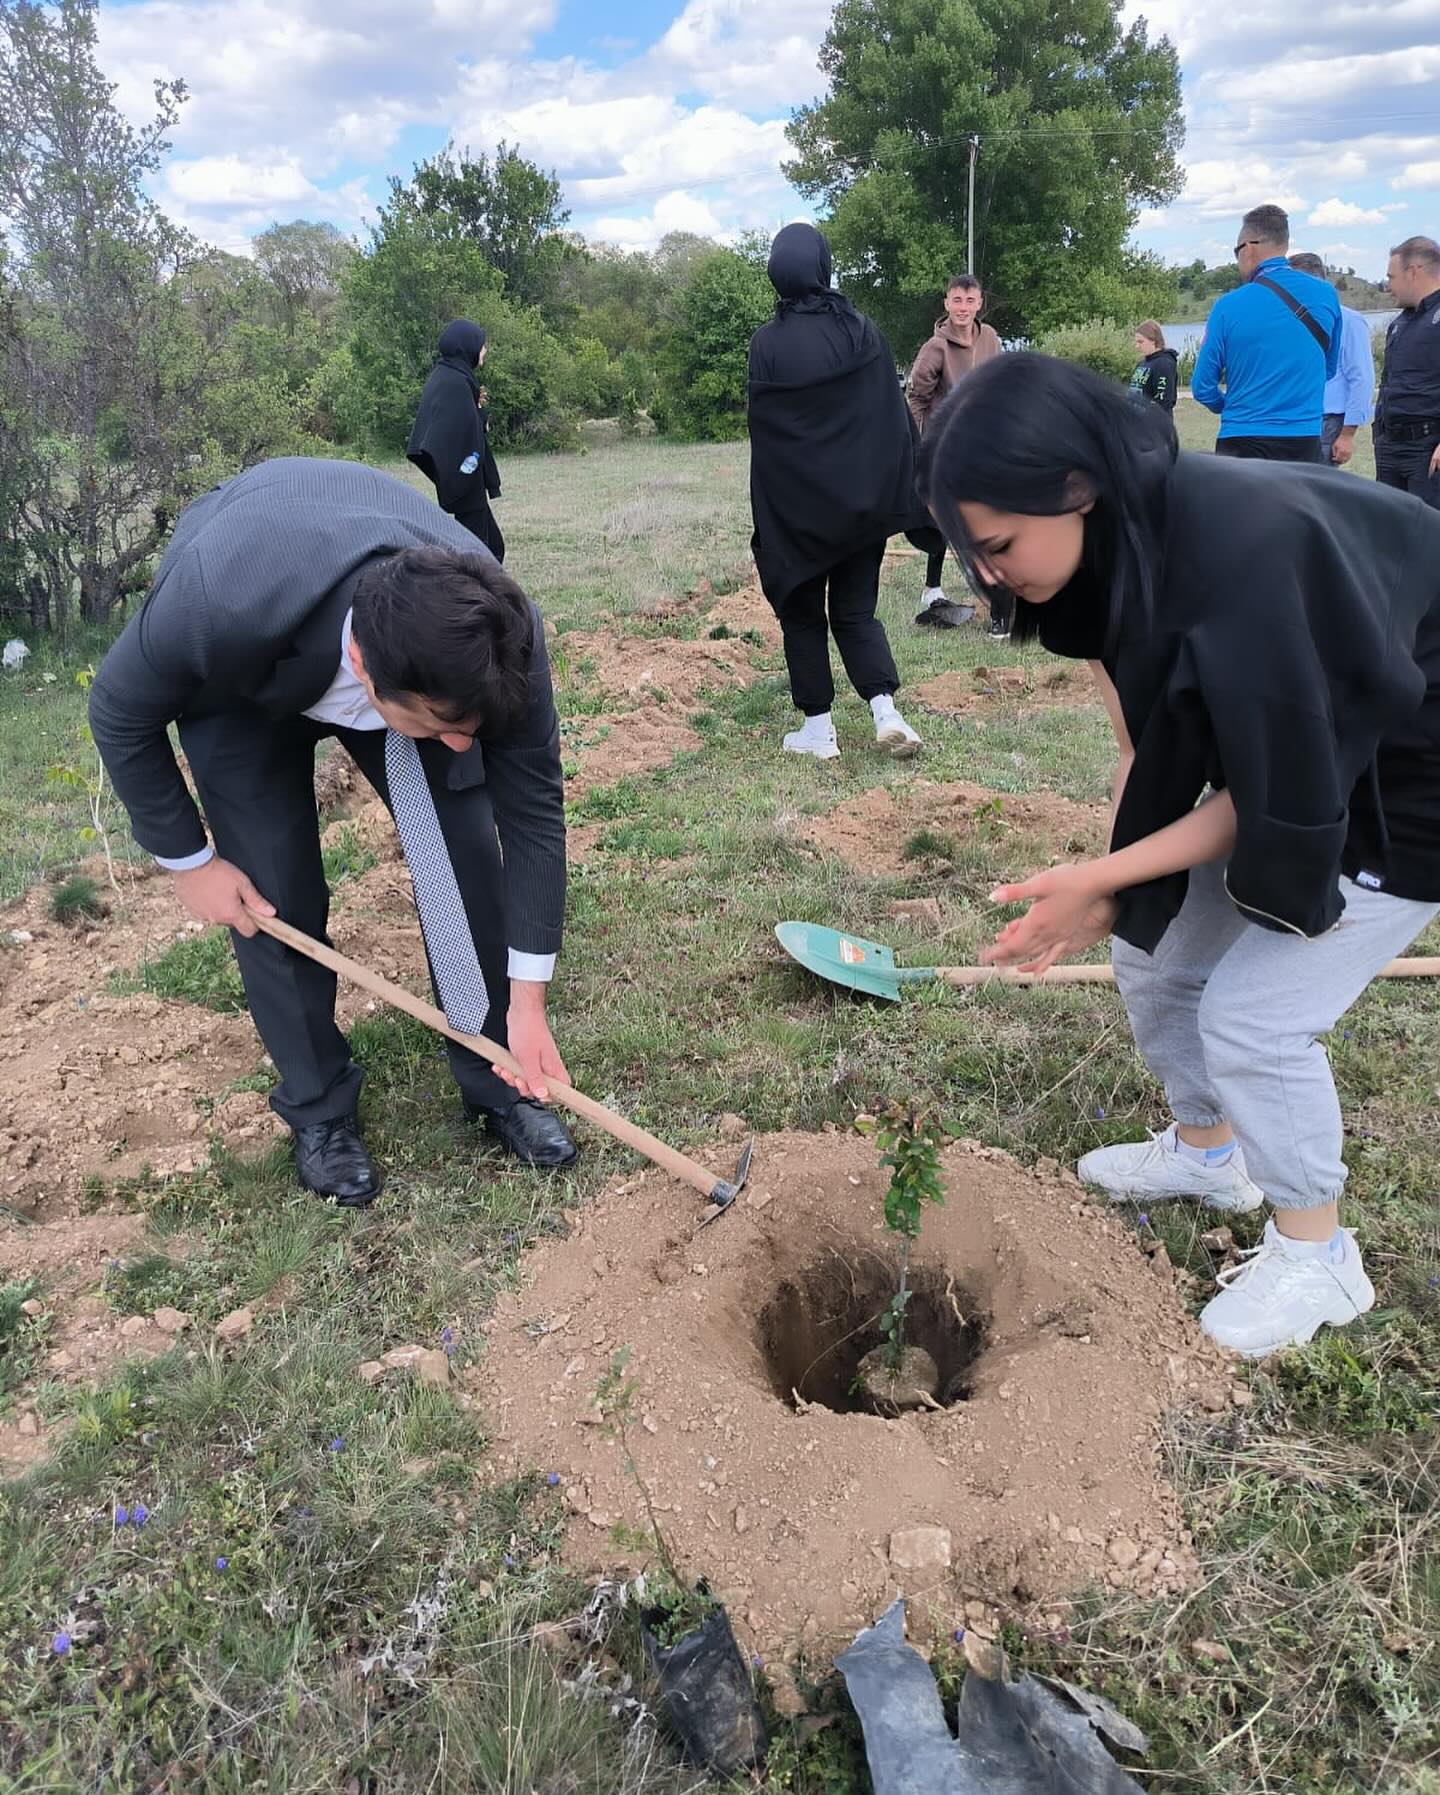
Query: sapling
{"points": [[910, 1146]]}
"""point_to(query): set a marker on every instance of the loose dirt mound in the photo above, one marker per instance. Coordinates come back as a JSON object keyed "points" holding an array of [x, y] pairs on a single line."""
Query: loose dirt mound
{"points": [[1007, 688], [872, 832], [600, 750], [645, 670], [1065, 1348], [95, 1085]]}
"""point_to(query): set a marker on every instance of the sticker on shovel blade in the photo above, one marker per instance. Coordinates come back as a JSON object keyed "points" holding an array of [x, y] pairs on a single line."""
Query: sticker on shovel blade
{"points": [[851, 952]]}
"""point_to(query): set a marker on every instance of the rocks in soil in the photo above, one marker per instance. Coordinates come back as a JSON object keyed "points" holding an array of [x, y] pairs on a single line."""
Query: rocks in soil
{"points": [[236, 1325], [914, 1384], [920, 1549], [428, 1365], [170, 1321]]}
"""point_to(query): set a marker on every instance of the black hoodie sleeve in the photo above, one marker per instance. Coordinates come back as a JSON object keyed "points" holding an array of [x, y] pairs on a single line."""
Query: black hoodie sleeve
{"points": [[448, 442]]}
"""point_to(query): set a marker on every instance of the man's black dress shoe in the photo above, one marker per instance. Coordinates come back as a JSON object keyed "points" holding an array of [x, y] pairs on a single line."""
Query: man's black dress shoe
{"points": [[331, 1160], [529, 1131]]}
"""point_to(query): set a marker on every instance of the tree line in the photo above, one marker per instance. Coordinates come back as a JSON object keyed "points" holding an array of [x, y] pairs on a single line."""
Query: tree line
{"points": [[139, 365]]}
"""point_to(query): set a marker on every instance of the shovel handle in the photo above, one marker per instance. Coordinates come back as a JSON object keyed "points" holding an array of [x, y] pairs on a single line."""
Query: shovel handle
{"points": [[678, 1164], [1423, 968]]}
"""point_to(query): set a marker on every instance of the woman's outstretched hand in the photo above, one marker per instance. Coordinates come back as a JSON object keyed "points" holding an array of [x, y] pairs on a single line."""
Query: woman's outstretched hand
{"points": [[1067, 914]]}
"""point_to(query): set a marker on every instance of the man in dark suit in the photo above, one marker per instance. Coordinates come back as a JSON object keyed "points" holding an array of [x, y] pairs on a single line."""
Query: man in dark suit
{"points": [[306, 599]]}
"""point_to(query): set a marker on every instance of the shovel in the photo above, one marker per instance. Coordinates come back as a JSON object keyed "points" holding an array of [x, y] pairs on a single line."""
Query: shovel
{"points": [[870, 967], [720, 1193]]}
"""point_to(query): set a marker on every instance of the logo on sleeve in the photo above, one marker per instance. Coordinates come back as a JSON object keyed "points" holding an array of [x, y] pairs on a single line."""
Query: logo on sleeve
{"points": [[1371, 881]]}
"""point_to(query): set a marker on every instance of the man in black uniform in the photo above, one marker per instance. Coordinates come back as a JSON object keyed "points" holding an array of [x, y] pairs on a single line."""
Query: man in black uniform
{"points": [[1407, 412]]}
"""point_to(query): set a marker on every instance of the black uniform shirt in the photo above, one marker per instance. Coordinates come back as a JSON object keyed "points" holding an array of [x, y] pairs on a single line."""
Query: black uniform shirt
{"points": [[1410, 380]]}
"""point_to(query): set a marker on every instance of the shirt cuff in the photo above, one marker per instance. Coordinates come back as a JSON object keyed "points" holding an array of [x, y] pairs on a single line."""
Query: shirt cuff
{"points": [[539, 969], [189, 863]]}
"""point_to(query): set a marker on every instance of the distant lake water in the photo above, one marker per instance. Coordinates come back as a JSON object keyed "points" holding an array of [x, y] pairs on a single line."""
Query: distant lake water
{"points": [[1181, 337]]}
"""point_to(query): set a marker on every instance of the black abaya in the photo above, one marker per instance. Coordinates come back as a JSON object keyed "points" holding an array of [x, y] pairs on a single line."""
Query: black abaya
{"points": [[450, 442]]}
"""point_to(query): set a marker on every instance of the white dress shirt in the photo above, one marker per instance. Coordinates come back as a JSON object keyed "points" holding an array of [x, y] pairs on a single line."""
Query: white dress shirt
{"points": [[345, 704]]}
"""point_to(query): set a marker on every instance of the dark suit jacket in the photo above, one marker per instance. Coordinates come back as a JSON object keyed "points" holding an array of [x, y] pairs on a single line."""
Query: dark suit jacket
{"points": [[246, 614]]}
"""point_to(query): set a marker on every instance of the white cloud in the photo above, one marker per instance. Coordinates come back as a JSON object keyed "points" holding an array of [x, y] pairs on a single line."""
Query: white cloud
{"points": [[233, 181], [751, 52], [1332, 213], [1216, 188], [676, 211], [1418, 174]]}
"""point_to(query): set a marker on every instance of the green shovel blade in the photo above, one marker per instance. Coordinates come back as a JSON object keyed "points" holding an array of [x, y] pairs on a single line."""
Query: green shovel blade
{"points": [[847, 960]]}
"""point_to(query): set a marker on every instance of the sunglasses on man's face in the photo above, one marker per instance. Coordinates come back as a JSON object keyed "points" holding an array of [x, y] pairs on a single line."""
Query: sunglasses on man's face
{"points": [[1246, 243]]}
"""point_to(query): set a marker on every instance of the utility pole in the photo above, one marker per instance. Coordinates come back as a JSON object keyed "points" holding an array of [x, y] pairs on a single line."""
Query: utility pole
{"points": [[970, 208]]}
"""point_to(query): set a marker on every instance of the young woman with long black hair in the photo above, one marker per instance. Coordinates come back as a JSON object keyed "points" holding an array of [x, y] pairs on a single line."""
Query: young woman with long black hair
{"points": [[1268, 649]]}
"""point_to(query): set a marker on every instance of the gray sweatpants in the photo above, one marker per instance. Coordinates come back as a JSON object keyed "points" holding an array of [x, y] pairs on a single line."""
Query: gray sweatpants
{"points": [[1226, 1015]]}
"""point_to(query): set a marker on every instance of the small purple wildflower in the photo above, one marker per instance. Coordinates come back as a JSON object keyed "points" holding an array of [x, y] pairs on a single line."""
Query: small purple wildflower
{"points": [[307, 1512], [510, 1560], [1346, 1035], [959, 1635], [1143, 1221], [1099, 1115], [220, 1563], [139, 1515], [553, 1477], [756, 1661], [60, 1644], [337, 1443], [122, 1517]]}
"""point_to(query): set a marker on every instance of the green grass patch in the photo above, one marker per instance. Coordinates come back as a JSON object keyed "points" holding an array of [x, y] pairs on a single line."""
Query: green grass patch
{"points": [[197, 969]]}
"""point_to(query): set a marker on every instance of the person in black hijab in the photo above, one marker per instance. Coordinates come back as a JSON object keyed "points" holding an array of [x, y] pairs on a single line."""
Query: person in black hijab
{"points": [[832, 476], [450, 442]]}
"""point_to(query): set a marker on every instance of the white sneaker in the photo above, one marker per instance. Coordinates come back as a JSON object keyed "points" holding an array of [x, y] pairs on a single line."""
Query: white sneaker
{"points": [[1283, 1292], [891, 729], [1153, 1171], [820, 743], [932, 595]]}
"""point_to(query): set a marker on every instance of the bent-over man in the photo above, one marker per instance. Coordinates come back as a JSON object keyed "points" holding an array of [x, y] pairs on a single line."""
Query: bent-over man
{"points": [[306, 599]]}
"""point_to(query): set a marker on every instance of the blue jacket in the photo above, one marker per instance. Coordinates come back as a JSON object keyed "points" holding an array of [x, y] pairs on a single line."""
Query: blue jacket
{"points": [[1273, 371], [1349, 394]]}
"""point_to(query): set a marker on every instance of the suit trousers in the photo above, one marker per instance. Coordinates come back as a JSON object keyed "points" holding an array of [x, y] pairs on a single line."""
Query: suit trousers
{"points": [[255, 777], [851, 590]]}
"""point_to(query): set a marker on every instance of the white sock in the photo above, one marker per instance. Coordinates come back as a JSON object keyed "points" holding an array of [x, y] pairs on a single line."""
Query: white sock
{"points": [[1205, 1156], [882, 705]]}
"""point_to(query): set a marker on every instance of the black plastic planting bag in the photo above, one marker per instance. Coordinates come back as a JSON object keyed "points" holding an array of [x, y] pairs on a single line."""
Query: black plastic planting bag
{"points": [[1031, 1737], [708, 1695]]}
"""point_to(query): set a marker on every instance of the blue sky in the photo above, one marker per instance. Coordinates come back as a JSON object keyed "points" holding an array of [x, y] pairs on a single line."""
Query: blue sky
{"points": [[661, 115]]}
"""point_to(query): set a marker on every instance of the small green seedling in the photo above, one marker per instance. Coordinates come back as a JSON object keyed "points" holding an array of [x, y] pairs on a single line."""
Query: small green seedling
{"points": [[77, 899], [910, 1145]]}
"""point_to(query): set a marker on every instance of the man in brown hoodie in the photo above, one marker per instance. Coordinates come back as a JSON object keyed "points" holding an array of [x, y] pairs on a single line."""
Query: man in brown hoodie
{"points": [[961, 342]]}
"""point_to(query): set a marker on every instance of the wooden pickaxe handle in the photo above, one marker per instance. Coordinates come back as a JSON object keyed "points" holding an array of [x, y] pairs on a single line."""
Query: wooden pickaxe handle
{"points": [[679, 1165], [1104, 975]]}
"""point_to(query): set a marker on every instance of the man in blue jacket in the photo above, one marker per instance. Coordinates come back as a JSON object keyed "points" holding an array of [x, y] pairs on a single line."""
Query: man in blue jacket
{"points": [[1349, 395], [1270, 346]]}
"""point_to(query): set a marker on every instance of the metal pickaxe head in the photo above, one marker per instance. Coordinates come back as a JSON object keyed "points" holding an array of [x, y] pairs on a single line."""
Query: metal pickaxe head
{"points": [[726, 1190]]}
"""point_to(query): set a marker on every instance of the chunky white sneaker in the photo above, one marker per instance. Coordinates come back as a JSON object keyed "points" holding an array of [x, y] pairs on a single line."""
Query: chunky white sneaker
{"points": [[891, 729], [1283, 1292], [819, 743], [932, 595], [1153, 1172]]}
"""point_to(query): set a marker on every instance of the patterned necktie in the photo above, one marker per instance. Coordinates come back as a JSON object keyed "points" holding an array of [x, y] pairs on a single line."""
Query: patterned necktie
{"points": [[446, 928]]}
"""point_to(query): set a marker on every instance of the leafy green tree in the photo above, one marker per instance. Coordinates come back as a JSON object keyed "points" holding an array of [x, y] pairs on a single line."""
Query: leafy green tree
{"points": [[303, 264], [508, 207], [103, 374], [1079, 124], [703, 359]]}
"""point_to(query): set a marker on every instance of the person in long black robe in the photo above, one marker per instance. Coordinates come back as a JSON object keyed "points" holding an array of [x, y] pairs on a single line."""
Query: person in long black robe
{"points": [[450, 442], [832, 477]]}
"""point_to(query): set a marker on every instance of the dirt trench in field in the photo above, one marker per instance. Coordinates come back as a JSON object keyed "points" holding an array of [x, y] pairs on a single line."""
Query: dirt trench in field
{"points": [[1060, 1349]]}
